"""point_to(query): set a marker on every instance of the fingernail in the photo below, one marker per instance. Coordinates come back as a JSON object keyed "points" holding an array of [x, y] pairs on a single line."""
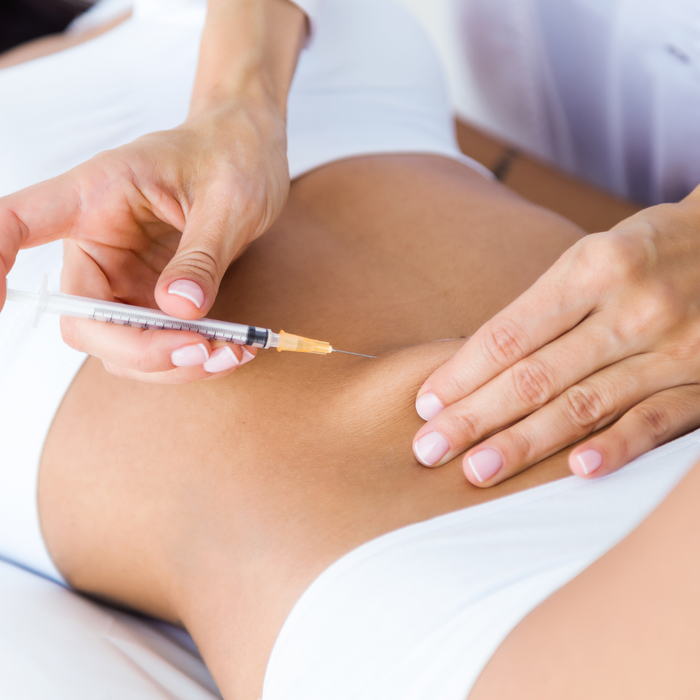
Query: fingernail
{"points": [[220, 360], [431, 448], [247, 356], [188, 290], [485, 464], [589, 460], [190, 355], [428, 406]]}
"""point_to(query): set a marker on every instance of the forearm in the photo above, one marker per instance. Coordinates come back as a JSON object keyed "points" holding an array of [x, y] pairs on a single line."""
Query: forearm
{"points": [[249, 49]]}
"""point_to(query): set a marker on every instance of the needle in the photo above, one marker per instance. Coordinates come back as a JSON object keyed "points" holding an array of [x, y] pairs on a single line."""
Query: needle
{"points": [[359, 354]]}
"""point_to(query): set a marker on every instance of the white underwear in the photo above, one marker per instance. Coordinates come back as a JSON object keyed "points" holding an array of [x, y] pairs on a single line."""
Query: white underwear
{"points": [[370, 83], [417, 614]]}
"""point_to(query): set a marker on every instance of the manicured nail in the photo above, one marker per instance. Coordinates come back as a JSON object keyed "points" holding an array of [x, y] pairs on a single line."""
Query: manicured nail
{"points": [[431, 448], [589, 460], [485, 464], [220, 360], [190, 355], [247, 356], [188, 290], [428, 406]]}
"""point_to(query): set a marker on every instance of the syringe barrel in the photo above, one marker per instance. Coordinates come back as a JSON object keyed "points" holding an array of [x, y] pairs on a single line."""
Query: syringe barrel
{"points": [[67, 305], [139, 317]]}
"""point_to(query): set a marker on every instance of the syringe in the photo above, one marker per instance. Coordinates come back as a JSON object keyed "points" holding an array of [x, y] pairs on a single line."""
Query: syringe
{"points": [[141, 317]]}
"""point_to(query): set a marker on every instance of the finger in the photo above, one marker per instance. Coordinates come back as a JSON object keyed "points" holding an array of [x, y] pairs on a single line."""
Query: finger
{"points": [[548, 309], [581, 410], [558, 301], [527, 386], [12, 234], [135, 349], [188, 285], [41, 213], [653, 422], [130, 277], [224, 360], [30, 217], [122, 349], [161, 356]]}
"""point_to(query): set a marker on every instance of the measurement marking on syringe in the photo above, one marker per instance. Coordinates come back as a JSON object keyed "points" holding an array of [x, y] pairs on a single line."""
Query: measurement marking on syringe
{"points": [[147, 322]]}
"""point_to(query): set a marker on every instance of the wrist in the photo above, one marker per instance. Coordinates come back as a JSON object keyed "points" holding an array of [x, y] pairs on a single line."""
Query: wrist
{"points": [[226, 101], [249, 51]]}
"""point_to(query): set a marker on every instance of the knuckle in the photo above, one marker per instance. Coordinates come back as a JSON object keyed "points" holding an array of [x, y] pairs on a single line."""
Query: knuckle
{"points": [[657, 310], [503, 343], [144, 356], [522, 449], [464, 427], [456, 384], [655, 419], [584, 406], [202, 264], [532, 385], [141, 362], [664, 306], [615, 257]]}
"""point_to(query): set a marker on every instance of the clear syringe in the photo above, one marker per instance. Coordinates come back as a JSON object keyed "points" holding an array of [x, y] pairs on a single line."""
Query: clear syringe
{"points": [[141, 317]]}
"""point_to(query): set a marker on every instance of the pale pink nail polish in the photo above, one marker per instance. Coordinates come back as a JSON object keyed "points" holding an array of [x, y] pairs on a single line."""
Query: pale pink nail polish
{"points": [[589, 460], [247, 356], [428, 406], [485, 464], [221, 360], [189, 290], [190, 355], [431, 448]]}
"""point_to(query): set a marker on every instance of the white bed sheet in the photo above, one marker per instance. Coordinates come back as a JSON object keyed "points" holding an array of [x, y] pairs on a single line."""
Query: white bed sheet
{"points": [[58, 645]]}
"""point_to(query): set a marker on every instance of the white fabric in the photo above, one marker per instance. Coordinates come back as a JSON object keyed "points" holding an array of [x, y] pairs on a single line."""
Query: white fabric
{"points": [[36, 369], [412, 615], [417, 614], [312, 8], [106, 10], [371, 83], [56, 645], [364, 87], [100, 13], [609, 89]]}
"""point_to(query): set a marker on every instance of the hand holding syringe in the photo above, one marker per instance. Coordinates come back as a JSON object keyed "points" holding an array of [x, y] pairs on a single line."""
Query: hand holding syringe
{"points": [[140, 317]]}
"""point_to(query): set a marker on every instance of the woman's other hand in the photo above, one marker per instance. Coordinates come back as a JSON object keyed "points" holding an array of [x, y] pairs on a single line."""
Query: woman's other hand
{"points": [[157, 222], [610, 333]]}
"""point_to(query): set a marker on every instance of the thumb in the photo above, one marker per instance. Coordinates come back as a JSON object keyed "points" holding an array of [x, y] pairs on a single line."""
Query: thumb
{"points": [[188, 285]]}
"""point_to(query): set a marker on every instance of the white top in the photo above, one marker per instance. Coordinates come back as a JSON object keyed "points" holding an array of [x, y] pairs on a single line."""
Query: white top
{"points": [[312, 8], [105, 10], [608, 89]]}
